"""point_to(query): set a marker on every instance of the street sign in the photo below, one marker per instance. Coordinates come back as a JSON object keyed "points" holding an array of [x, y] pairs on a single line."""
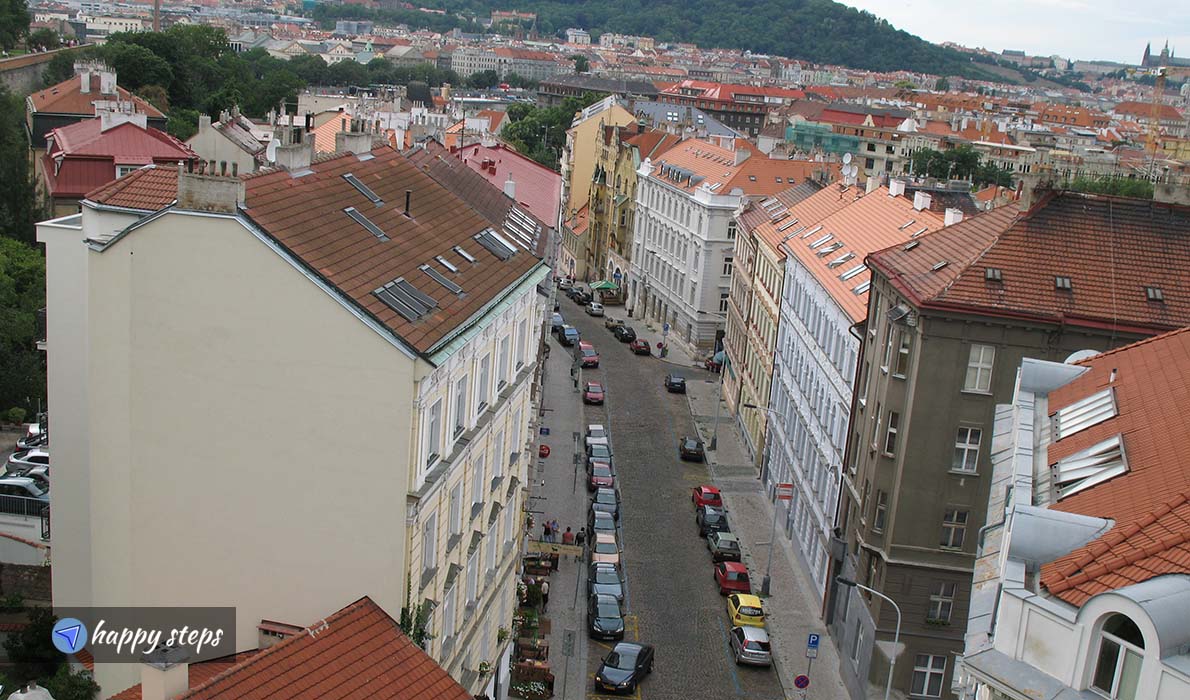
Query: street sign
{"points": [[665, 328], [801, 682], [812, 641], [785, 493], [545, 430]]}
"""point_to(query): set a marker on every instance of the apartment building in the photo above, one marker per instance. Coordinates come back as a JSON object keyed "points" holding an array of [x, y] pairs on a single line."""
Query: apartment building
{"points": [[211, 342], [741, 107], [468, 60], [1083, 583], [950, 317]]}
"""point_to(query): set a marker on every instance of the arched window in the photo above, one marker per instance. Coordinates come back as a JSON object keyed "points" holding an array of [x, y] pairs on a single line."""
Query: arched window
{"points": [[1121, 651]]}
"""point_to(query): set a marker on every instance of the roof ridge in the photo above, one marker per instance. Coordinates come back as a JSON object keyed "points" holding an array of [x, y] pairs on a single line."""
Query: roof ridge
{"points": [[1123, 348], [978, 256]]}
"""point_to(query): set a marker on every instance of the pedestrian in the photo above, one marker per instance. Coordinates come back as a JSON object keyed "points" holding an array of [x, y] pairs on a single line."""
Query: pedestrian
{"points": [[545, 531], [580, 537], [554, 530], [568, 537], [545, 594]]}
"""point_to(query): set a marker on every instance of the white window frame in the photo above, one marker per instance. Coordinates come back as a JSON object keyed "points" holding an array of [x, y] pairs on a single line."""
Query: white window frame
{"points": [[483, 387], [956, 525], [509, 529], [888, 348], [981, 360], [942, 595], [925, 667], [460, 401], [890, 434], [904, 347], [493, 541], [522, 334], [1125, 649], [477, 482], [857, 644], [880, 511], [499, 456], [456, 509], [449, 601], [429, 543], [434, 432], [502, 369], [728, 265], [473, 578], [966, 450]]}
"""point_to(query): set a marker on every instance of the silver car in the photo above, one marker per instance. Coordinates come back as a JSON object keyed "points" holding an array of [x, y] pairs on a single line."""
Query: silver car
{"points": [[28, 459], [750, 645]]}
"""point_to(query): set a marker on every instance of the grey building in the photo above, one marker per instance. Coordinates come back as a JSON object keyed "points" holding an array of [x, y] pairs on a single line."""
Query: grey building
{"points": [[951, 315], [552, 91]]}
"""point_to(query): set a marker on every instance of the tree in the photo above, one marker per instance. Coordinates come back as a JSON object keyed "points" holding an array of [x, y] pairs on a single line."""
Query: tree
{"points": [[22, 293], [581, 64], [156, 96], [961, 163], [60, 67], [311, 69], [137, 66], [483, 79], [44, 39], [905, 84], [14, 22], [67, 685], [182, 123], [18, 200], [32, 650], [347, 73], [1116, 186], [942, 85]]}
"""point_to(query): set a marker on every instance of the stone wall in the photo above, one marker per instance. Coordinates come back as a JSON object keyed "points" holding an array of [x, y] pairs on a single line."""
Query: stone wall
{"points": [[30, 582]]}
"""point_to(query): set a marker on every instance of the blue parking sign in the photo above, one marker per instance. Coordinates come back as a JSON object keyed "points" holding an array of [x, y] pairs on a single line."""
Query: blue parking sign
{"points": [[812, 641]]}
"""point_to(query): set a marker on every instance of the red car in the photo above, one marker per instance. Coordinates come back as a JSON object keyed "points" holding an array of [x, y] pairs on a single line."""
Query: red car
{"points": [[706, 496], [640, 346], [593, 393], [732, 577], [599, 475], [587, 355]]}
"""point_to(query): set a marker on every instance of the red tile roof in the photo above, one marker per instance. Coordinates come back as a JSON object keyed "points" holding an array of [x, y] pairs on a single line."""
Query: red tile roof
{"points": [[90, 155], [728, 92], [67, 97], [1150, 503], [198, 673], [538, 188], [758, 175], [1110, 247], [306, 215], [1144, 110], [150, 188]]}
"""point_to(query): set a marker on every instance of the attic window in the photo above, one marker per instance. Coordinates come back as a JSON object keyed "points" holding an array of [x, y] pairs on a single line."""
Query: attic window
{"points": [[1063, 283], [778, 180], [437, 277], [939, 265], [786, 226], [822, 240], [852, 272], [1084, 413], [830, 249], [1090, 467], [464, 254], [812, 231], [446, 263], [993, 274], [363, 189], [407, 300], [911, 245], [907, 224], [862, 287], [362, 220], [752, 178], [1154, 294], [840, 260], [495, 244]]}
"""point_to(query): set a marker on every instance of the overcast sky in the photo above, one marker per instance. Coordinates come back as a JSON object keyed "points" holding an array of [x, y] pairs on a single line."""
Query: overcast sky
{"points": [[1113, 30]]}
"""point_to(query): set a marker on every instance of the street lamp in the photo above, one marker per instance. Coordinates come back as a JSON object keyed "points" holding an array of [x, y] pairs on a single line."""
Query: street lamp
{"points": [[892, 657], [768, 569]]}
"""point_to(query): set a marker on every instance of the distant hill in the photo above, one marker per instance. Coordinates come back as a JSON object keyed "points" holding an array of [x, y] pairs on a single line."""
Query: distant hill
{"points": [[819, 31]]}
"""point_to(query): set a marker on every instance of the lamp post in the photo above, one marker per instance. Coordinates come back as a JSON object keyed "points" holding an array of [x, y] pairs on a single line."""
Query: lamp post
{"points": [[892, 657], [768, 569]]}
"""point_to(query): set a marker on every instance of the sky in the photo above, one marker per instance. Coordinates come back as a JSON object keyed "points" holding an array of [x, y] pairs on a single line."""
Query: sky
{"points": [[1111, 30]]}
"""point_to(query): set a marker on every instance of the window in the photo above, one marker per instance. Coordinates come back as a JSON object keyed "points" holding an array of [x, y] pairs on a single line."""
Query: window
{"points": [[477, 481], [460, 406], [483, 387], [888, 348], [727, 266], [499, 457], [434, 432], [954, 528], [520, 344], [492, 561], [1117, 669], [456, 509], [472, 578], [941, 601], [881, 511], [979, 369], [857, 644], [429, 543], [890, 437], [902, 366], [448, 613], [966, 450], [928, 672], [122, 170], [502, 369], [876, 429], [731, 230], [723, 296], [508, 527]]}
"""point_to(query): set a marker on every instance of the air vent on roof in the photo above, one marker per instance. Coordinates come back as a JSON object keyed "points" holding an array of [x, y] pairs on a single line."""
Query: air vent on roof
{"points": [[993, 274], [787, 225], [1089, 467], [363, 189], [751, 178], [779, 215], [907, 224], [366, 223], [1084, 413], [495, 244], [778, 180], [1063, 283], [812, 231], [1154, 294], [464, 254], [446, 263], [911, 245], [840, 260], [822, 240], [918, 232], [437, 276], [407, 300], [830, 249], [852, 272], [862, 287], [939, 265]]}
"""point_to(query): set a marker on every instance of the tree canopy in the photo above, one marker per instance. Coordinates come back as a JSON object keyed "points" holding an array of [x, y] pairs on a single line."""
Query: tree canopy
{"points": [[540, 132], [961, 163], [1118, 186], [14, 22]]}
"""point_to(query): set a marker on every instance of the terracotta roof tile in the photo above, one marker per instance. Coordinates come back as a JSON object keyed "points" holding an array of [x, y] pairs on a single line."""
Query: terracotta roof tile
{"points": [[198, 673], [67, 97], [538, 189], [149, 188]]}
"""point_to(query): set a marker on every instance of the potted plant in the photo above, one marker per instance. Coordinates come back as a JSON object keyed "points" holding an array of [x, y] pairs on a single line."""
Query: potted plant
{"points": [[484, 668], [501, 635]]}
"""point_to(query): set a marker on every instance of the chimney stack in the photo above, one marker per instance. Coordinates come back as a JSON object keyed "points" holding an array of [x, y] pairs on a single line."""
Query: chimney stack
{"points": [[896, 187], [295, 156], [353, 142], [85, 81], [164, 673], [408, 201], [510, 187], [209, 192], [871, 185], [953, 216], [741, 155], [921, 200]]}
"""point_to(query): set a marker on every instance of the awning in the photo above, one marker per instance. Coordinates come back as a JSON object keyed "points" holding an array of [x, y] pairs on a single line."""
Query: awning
{"points": [[604, 284]]}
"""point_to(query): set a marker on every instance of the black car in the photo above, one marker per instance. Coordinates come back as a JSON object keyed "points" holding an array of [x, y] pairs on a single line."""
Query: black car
{"points": [[623, 669], [711, 519], [690, 450], [675, 384], [604, 618], [607, 501], [624, 334], [605, 578], [599, 521], [582, 298]]}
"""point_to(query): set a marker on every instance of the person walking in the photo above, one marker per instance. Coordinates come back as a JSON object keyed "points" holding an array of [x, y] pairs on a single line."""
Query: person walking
{"points": [[568, 537], [580, 538], [545, 531], [545, 594]]}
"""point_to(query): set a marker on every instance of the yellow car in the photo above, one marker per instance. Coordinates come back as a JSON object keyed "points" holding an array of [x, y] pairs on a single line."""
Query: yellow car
{"points": [[744, 609]]}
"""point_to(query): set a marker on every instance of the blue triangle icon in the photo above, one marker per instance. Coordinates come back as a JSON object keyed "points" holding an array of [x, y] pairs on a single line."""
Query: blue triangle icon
{"points": [[70, 634]]}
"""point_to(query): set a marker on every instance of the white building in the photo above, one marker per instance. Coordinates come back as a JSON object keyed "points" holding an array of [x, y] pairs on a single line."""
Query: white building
{"points": [[1082, 586], [468, 60], [288, 391], [578, 36], [824, 294]]}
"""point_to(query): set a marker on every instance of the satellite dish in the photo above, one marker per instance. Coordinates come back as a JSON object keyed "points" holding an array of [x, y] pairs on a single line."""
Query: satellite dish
{"points": [[846, 159], [270, 152], [1081, 355]]}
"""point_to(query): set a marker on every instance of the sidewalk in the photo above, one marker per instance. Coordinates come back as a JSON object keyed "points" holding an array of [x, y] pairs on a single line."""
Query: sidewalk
{"points": [[793, 607], [678, 355]]}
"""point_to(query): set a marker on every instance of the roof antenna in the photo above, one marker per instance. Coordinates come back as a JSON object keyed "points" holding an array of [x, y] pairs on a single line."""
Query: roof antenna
{"points": [[408, 197]]}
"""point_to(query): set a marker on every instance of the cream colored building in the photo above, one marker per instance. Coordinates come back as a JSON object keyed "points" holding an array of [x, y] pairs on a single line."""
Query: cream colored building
{"points": [[584, 142], [240, 422]]}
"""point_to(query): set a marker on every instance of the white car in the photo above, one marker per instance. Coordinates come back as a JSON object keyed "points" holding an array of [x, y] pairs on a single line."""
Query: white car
{"points": [[596, 435], [21, 461], [594, 309]]}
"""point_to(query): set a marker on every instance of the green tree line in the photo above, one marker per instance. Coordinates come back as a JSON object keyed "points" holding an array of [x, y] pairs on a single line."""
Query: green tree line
{"points": [[961, 163]]}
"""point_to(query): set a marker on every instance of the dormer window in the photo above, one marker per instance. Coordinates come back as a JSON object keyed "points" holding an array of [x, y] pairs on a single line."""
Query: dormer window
{"points": [[1118, 663]]}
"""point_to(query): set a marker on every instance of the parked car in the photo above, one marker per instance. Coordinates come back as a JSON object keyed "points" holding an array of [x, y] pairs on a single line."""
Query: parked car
{"points": [[599, 521], [604, 548], [711, 519], [582, 298], [750, 645], [599, 451], [596, 435], [594, 308], [690, 450], [25, 488], [593, 393], [556, 323], [724, 546], [745, 609], [605, 620], [612, 323], [573, 291], [706, 496], [587, 357], [675, 383], [29, 442], [600, 475], [732, 577], [569, 335], [27, 459], [640, 347], [605, 579], [622, 669], [608, 501], [564, 283], [625, 334]]}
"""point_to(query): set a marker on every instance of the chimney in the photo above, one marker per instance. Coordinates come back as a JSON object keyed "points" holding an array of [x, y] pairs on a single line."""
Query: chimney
{"points": [[295, 156], [164, 673], [408, 202], [204, 123], [107, 82], [896, 187], [953, 216], [112, 118], [871, 185], [510, 187], [741, 155], [921, 200], [212, 193], [85, 81], [353, 142]]}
